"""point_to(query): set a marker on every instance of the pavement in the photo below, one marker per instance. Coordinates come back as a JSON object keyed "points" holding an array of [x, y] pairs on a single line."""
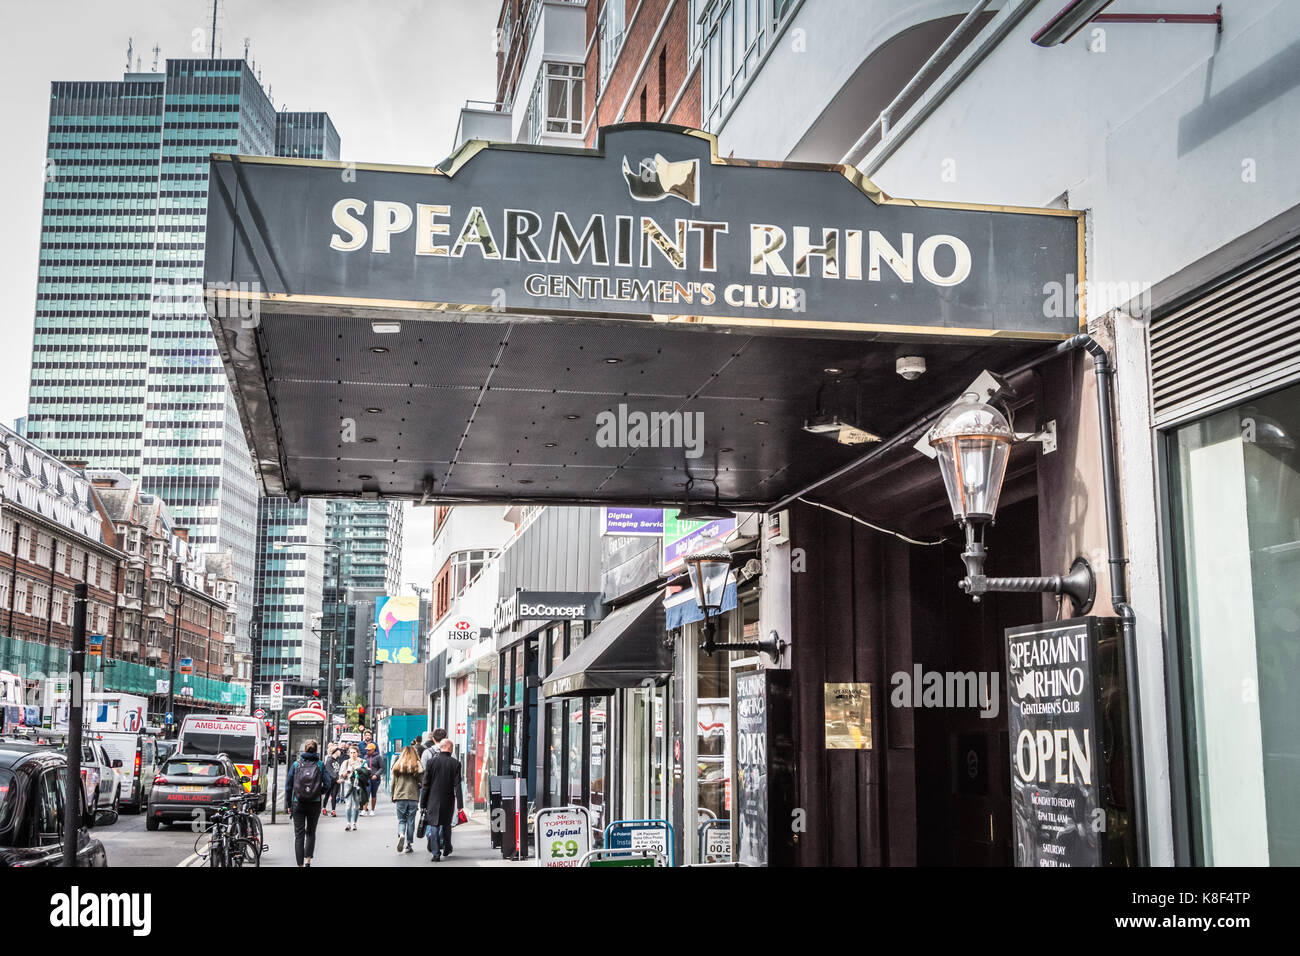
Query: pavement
{"points": [[374, 843]]}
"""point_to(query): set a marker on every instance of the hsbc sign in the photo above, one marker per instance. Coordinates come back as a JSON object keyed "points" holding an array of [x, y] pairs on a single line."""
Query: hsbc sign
{"points": [[464, 630]]}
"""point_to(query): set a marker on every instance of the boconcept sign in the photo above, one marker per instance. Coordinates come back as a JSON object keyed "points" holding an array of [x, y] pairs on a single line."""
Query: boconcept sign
{"points": [[547, 606], [652, 225]]}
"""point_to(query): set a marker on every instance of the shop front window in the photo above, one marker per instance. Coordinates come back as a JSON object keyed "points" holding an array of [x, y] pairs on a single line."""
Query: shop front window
{"points": [[1235, 510], [597, 715], [573, 710], [713, 725], [555, 755]]}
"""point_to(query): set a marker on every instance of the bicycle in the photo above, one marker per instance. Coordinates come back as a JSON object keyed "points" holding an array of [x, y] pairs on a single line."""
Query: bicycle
{"points": [[227, 845], [247, 823]]}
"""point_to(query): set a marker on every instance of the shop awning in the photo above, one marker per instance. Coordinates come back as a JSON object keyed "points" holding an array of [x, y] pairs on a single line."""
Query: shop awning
{"points": [[625, 649], [604, 326]]}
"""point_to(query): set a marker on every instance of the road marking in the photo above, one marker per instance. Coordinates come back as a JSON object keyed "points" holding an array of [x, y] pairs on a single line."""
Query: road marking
{"points": [[189, 860]]}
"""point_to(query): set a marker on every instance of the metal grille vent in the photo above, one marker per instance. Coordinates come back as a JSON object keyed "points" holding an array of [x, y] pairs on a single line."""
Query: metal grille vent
{"points": [[1240, 337]]}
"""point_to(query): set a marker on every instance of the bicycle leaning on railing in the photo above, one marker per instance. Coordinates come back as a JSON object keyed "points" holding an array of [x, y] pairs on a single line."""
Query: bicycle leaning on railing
{"points": [[234, 836]]}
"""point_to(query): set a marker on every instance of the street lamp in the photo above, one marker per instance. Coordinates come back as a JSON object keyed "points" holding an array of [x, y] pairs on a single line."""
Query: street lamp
{"points": [[709, 574], [972, 441]]}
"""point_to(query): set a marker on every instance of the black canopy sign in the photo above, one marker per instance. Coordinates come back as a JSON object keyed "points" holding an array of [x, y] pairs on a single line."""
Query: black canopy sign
{"points": [[650, 225]]}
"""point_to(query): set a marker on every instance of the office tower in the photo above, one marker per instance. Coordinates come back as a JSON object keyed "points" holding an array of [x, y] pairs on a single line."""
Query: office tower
{"points": [[125, 373], [368, 538], [290, 545]]}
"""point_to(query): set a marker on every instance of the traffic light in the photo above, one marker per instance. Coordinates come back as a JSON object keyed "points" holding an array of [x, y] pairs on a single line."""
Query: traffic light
{"points": [[361, 713]]}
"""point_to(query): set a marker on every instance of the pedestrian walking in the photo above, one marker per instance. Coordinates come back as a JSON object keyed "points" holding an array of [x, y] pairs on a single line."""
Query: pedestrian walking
{"points": [[375, 763], [405, 790], [333, 765], [305, 787], [431, 742], [442, 797], [354, 777]]}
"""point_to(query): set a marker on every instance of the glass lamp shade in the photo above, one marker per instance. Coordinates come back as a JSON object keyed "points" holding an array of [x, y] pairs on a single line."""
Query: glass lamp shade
{"points": [[709, 573], [973, 441]]}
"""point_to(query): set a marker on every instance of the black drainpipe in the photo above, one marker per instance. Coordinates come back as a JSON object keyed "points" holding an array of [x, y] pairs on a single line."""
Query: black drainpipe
{"points": [[1105, 373]]}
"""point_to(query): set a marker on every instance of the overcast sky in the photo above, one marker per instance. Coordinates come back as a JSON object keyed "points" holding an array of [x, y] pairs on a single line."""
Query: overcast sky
{"points": [[392, 74]]}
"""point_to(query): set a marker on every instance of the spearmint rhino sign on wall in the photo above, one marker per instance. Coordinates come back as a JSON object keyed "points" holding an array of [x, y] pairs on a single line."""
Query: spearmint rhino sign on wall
{"points": [[1058, 779], [650, 224]]}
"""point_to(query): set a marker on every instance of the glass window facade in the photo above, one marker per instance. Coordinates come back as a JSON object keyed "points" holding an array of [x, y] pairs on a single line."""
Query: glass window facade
{"points": [[1235, 520], [125, 373]]}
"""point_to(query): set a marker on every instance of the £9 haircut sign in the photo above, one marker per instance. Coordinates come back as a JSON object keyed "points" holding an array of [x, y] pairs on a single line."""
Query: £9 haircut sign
{"points": [[397, 629]]}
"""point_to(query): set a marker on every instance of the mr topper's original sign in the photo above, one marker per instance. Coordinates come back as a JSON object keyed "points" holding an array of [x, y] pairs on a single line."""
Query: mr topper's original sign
{"points": [[651, 224]]}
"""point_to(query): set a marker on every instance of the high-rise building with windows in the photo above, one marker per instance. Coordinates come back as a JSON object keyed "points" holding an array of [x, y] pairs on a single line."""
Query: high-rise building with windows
{"points": [[290, 553], [125, 373], [364, 554]]}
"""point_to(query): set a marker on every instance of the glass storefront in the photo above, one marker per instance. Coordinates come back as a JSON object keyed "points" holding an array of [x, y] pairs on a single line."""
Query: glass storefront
{"points": [[1235, 522]]}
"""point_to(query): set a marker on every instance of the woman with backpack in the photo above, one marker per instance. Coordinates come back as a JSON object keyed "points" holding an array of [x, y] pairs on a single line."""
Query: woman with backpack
{"points": [[354, 777], [305, 786], [405, 790]]}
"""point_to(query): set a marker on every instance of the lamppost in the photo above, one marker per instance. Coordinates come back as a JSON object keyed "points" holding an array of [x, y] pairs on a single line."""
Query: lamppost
{"points": [[334, 623], [973, 441], [176, 640], [709, 575]]}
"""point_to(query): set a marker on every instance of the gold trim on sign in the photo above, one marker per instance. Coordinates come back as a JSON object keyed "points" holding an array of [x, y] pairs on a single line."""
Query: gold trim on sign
{"points": [[410, 305], [471, 148]]}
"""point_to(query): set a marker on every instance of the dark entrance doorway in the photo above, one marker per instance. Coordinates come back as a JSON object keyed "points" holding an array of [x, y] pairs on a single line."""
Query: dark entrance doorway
{"points": [[883, 609]]}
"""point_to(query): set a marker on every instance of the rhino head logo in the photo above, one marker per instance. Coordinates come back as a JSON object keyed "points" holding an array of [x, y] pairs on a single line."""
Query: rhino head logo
{"points": [[657, 178]]}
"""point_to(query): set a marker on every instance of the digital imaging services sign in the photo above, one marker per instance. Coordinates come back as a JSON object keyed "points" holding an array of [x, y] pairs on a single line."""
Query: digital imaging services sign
{"points": [[652, 224]]}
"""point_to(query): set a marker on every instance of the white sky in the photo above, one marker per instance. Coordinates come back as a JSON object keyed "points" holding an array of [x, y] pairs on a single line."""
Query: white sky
{"points": [[392, 74]]}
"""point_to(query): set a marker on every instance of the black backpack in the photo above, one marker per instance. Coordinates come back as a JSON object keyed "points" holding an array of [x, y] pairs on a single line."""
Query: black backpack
{"points": [[308, 780]]}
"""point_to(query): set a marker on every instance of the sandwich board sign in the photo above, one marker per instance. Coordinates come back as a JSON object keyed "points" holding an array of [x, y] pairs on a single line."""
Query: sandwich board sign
{"points": [[563, 835]]}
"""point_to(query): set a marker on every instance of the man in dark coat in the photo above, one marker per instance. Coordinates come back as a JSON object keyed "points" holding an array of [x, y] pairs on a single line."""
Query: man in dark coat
{"points": [[442, 798]]}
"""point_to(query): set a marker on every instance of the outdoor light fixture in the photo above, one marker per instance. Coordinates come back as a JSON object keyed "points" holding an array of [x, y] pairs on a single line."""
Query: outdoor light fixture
{"points": [[385, 328], [702, 510], [833, 425], [709, 574], [973, 441]]}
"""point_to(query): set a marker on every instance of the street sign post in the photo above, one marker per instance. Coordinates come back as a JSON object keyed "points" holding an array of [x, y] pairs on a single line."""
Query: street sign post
{"points": [[277, 696]]}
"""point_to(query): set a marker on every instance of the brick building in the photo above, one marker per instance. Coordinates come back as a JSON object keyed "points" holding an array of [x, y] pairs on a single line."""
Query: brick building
{"points": [[54, 534], [162, 571], [567, 67]]}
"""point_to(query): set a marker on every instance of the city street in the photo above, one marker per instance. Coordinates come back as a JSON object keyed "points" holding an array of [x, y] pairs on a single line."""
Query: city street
{"points": [[128, 843]]}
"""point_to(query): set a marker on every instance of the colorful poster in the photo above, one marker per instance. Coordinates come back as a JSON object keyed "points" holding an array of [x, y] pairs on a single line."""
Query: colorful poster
{"points": [[684, 538], [397, 629]]}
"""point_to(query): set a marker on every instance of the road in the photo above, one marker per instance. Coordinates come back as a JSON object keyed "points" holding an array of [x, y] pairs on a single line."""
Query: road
{"points": [[373, 843], [129, 844]]}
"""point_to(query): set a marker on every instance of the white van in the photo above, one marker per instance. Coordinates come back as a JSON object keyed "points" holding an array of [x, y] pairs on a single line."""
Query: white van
{"points": [[242, 739], [139, 755]]}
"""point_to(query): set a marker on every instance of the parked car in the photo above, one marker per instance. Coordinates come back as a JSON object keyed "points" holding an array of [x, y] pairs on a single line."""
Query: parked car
{"points": [[165, 749], [32, 794], [188, 787]]}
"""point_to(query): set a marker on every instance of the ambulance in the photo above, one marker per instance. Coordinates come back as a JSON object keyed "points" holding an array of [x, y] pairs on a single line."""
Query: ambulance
{"points": [[242, 739]]}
